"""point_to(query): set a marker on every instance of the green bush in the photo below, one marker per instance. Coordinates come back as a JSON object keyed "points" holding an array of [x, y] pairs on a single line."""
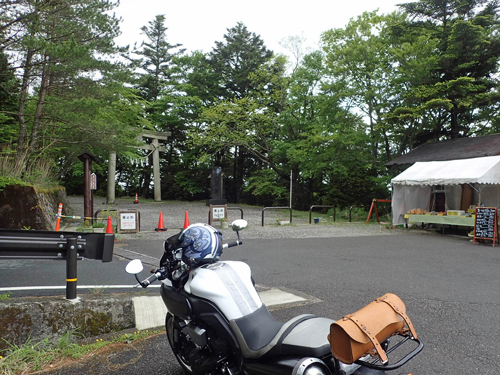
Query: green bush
{"points": [[7, 180]]}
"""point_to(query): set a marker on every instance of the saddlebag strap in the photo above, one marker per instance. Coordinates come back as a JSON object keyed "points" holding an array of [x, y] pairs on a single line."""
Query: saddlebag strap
{"points": [[401, 313], [373, 339]]}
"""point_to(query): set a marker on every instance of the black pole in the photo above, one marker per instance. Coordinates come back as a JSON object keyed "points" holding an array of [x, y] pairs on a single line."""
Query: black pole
{"points": [[71, 257], [88, 204]]}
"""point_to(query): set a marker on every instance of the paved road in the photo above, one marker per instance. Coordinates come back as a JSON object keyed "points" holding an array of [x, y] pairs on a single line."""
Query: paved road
{"points": [[451, 289]]}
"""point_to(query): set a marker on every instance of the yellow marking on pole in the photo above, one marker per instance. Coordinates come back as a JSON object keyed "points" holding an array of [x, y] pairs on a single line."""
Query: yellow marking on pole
{"points": [[71, 280]]}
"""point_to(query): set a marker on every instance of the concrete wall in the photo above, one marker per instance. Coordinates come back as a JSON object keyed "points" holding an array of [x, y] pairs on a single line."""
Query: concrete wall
{"points": [[48, 317]]}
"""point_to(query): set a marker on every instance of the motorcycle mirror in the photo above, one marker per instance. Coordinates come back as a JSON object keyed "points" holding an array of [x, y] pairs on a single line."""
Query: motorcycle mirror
{"points": [[239, 224], [134, 267]]}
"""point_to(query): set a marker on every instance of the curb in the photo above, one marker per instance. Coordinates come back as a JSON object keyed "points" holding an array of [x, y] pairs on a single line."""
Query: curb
{"points": [[39, 318]]}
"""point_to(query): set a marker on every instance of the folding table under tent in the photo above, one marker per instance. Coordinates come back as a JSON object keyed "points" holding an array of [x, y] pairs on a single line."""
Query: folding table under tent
{"points": [[412, 188]]}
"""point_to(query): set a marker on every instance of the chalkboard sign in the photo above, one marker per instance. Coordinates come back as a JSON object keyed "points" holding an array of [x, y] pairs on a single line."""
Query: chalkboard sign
{"points": [[485, 225]]}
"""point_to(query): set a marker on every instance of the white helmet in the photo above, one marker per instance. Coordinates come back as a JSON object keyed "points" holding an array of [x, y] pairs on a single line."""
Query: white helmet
{"points": [[200, 243]]}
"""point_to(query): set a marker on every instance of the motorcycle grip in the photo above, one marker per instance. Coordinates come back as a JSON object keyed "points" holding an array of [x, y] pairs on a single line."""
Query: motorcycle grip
{"points": [[232, 244], [151, 279]]}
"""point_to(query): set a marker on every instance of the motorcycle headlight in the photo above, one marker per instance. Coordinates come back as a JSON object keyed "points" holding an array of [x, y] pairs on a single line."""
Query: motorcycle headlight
{"points": [[311, 366]]}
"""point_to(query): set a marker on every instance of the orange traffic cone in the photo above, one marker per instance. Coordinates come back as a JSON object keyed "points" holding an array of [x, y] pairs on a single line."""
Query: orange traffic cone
{"points": [[186, 220], [109, 227], [136, 198], [161, 226]]}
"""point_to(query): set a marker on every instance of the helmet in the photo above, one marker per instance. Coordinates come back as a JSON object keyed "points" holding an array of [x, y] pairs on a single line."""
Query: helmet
{"points": [[200, 244]]}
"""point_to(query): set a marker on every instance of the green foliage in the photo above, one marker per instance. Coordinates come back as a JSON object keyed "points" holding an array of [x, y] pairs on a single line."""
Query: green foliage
{"points": [[7, 180], [40, 173], [241, 53], [5, 296], [458, 96], [8, 95], [379, 86], [155, 59], [267, 185], [72, 96], [34, 356]]}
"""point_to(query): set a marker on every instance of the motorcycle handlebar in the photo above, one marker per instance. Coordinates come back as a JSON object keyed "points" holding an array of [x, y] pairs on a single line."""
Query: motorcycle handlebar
{"points": [[231, 244], [161, 272], [151, 279]]}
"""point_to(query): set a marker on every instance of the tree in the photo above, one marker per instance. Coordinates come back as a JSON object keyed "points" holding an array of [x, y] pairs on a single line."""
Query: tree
{"points": [[154, 65], [155, 60], [233, 61], [463, 91], [71, 95], [325, 144], [8, 93], [361, 66]]}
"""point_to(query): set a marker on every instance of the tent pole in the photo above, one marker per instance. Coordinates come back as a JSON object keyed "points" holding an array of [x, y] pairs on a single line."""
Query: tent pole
{"points": [[477, 191]]}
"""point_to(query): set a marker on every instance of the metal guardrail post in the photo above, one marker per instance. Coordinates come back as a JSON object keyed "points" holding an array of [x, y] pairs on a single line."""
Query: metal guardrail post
{"points": [[320, 206], [236, 208], [68, 246], [276, 208], [71, 274]]}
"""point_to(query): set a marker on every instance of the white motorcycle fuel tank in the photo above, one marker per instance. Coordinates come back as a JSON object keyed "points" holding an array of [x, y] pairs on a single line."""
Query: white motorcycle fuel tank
{"points": [[228, 284]]}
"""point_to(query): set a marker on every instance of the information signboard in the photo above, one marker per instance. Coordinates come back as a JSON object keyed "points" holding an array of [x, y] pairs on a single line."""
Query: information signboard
{"points": [[93, 181], [486, 224], [217, 212], [128, 221]]}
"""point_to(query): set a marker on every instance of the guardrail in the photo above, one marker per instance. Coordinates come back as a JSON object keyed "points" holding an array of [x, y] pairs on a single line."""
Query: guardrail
{"points": [[321, 206], [276, 208], [236, 208], [68, 246]]}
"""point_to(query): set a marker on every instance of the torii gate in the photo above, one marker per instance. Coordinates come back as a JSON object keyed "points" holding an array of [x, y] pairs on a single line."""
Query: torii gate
{"points": [[156, 148]]}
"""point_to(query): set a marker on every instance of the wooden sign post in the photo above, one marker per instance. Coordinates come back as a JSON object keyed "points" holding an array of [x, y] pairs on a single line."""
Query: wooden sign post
{"points": [[217, 212], [486, 224]]}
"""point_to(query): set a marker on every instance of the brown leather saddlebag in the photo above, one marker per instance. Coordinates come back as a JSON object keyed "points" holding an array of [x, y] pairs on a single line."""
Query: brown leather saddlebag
{"points": [[358, 334]]}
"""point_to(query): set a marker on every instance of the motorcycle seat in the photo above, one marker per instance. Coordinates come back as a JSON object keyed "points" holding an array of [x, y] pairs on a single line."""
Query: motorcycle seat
{"points": [[259, 335], [308, 338]]}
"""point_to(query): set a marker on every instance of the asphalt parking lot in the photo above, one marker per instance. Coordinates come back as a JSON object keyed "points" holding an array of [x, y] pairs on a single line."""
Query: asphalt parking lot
{"points": [[451, 288]]}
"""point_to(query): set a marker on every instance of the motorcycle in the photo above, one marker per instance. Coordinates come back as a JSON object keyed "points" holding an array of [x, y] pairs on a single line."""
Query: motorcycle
{"points": [[217, 324]]}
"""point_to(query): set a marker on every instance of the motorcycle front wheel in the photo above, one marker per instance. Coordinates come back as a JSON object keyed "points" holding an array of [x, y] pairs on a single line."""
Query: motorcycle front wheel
{"points": [[181, 345]]}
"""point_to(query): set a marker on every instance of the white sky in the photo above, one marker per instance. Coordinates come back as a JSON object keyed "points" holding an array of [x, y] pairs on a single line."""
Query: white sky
{"points": [[198, 24]]}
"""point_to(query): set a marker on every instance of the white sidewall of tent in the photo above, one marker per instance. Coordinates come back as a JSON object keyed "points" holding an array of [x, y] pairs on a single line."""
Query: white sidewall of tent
{"points": [[412, 188]]}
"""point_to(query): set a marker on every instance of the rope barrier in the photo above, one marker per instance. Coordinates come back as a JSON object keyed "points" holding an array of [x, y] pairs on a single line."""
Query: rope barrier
{"points": [[82, 217]]}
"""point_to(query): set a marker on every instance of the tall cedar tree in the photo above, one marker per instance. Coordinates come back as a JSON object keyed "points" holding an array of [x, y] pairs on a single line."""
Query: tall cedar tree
{"points": [[155, 65], [242, 53], [464, 85]]}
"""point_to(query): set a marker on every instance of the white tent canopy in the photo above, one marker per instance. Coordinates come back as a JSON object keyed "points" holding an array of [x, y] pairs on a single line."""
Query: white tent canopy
{"points": [[412, 188], [484, 170]]}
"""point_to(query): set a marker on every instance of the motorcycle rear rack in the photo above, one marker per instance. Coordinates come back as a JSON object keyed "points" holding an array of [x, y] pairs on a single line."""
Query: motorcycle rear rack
{"points": [[388, 367]]}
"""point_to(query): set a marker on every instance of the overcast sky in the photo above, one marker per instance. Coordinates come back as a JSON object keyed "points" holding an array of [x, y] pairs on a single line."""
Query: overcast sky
{"points": [[197, 24]]}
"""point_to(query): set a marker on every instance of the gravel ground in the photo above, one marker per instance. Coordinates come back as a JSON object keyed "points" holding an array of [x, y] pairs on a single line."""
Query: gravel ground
{"points": [[174, 214]]}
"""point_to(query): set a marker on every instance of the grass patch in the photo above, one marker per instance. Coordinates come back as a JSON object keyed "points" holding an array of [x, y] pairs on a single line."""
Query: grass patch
{"points": [[38, 172], [7, 180], [32, 356], [5, 296]]}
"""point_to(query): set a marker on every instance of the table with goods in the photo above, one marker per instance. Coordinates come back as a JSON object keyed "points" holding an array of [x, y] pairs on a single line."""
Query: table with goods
{"points": [[450, 217]]}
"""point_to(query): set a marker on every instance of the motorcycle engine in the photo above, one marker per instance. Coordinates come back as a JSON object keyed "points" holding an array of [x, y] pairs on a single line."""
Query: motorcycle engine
{"points": [[208, 352], [201, 361]]}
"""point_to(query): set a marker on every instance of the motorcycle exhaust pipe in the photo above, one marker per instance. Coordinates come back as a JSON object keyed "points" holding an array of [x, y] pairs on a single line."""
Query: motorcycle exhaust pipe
{"points": [[293, 366]]}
